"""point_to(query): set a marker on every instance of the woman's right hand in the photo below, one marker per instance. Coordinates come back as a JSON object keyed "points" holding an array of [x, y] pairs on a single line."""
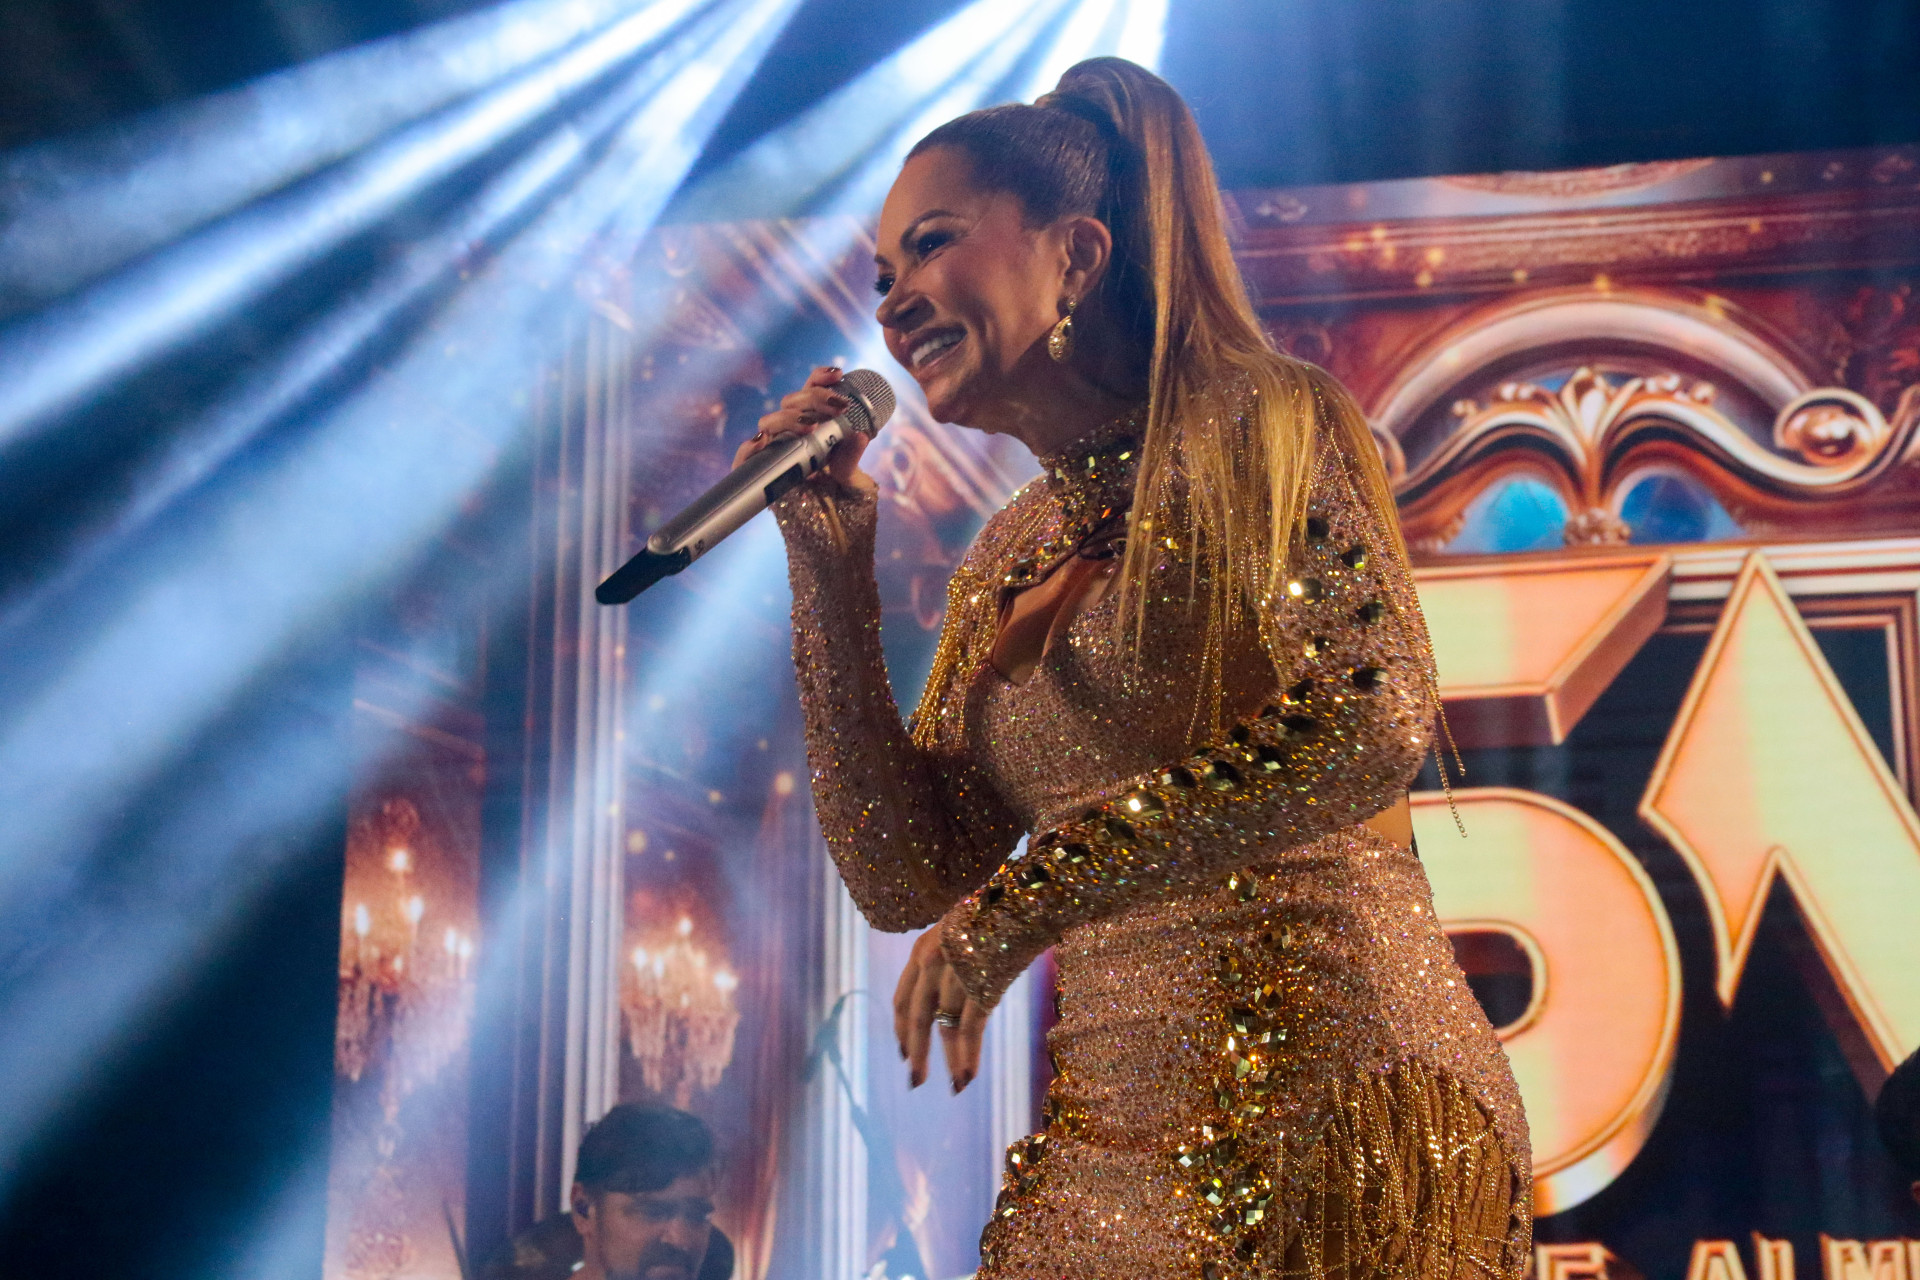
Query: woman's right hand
{"points": [[802, 411]]}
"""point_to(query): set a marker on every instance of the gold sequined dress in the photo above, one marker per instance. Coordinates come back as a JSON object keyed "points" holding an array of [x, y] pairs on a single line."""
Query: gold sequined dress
{"points": [[1267, 1062]]}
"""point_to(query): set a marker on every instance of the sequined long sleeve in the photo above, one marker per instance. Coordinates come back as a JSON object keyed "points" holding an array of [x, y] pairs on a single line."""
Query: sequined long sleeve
{"points": [[910, 833], [1342, 734]]}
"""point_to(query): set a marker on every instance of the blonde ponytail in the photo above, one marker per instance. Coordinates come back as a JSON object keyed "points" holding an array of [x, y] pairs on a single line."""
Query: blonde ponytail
{"points": [[1238, 421]]}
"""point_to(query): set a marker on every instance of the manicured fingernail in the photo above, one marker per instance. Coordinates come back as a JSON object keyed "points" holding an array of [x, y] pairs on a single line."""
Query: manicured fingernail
{"points": [[903, 1052]]}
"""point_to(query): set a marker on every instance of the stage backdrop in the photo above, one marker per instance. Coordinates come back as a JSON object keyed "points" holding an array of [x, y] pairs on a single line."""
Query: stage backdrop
{"points": [[1655, 430]]}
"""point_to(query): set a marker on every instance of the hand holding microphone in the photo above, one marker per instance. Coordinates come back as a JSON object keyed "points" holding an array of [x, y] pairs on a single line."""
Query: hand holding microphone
{"points": [[820, 399], [823, 427]]}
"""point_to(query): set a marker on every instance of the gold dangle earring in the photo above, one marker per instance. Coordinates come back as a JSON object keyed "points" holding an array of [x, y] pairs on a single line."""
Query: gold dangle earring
{"points": [[1060, 341]]}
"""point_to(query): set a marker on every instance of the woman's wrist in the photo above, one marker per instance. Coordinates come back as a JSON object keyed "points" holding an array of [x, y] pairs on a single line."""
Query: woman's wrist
{"points": [[957, 945], [830, 519]]}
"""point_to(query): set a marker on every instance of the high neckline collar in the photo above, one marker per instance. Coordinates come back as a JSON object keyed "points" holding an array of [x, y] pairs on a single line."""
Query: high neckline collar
{"points": [[1092, 479], [1105, 443]]}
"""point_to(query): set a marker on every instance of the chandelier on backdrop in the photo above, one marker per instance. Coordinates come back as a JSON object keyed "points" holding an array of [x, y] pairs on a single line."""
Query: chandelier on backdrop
{"points": [[405, 992], [680, 1014]]}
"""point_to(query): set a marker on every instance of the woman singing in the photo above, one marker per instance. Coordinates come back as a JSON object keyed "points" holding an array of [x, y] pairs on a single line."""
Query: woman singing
{"points": [[1189, 660]]}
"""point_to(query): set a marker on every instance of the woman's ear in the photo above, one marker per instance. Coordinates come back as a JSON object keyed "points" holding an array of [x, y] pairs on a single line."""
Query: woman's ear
{"points": [[1089, 246]]}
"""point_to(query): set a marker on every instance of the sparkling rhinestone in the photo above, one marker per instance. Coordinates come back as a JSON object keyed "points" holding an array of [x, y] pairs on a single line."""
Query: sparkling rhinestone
{"points": [[1317, 646], [1243, 885], [1297, 693], [1269, 759], [1146, 804], [1035, 876], [1355, 557], [1072, 853], [1305, 589], [1179, 777], [1119, 828], [1370, 612], [1222, 776], [994, 894], [1365, 677], [1300, 726], [1318, 528]]}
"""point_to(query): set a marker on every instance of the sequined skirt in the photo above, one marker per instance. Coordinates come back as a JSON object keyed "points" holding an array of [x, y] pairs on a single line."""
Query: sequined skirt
{"points": [[1285, 1076]]}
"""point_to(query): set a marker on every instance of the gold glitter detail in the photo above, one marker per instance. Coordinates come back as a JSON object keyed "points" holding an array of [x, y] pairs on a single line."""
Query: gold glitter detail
{"points": [[1267, 1060]]}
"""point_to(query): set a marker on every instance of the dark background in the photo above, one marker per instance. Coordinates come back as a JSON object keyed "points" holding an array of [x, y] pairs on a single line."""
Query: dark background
{"points": [[1287, 91], [190, 1140]]}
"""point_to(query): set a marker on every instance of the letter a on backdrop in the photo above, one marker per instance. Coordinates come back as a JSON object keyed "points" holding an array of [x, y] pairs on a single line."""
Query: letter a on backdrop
{"points": [[1768, 772]]}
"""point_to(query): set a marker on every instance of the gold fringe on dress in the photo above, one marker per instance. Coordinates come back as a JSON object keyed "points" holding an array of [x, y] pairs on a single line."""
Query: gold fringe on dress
{"points": [[1408, 1179]]}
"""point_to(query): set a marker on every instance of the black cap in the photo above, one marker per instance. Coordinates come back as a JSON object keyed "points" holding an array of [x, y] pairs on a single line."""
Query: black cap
{"points": [[638, 1148]]}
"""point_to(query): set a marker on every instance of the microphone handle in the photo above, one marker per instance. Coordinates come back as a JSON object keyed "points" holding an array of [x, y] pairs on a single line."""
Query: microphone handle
{"points": [[747, 490]]}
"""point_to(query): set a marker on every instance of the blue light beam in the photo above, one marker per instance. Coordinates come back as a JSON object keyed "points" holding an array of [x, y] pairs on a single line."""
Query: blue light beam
{"points": [[75, 208], [268, 558], [60, 358]]}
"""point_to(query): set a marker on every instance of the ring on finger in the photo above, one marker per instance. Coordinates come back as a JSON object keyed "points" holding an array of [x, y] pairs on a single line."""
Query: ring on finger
{"points": [[946, 1018]]}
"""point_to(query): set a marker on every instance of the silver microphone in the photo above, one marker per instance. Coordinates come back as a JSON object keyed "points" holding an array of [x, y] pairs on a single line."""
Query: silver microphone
{"points": [[749, 489]]}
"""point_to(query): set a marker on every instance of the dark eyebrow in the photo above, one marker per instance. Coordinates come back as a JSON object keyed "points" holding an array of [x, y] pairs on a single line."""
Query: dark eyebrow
{"points": [[906, 237]]}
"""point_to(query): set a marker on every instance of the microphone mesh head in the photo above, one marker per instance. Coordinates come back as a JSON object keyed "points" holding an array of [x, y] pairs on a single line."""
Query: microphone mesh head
{"points": [[871, 394]]}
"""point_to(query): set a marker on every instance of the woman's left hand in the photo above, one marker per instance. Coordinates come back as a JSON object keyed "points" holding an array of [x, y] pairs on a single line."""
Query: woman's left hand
{"points": [[928, 985]]}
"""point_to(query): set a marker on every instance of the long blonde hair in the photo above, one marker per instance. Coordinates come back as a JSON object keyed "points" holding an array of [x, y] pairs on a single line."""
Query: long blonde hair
{"points": [[1238, 422]]}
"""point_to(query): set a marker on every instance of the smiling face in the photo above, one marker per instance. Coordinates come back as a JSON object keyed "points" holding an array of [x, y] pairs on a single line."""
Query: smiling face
{"points": [[969, 290]]}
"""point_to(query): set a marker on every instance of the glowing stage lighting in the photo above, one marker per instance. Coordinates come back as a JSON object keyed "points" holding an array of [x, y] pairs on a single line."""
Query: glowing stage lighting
{"points": [[210, 600], [73, 209], [841, 153], [56, 359]]}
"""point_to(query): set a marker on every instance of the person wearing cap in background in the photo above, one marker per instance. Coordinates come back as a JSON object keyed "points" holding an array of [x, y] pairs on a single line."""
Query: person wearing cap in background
{"points": [[642, 1207]]}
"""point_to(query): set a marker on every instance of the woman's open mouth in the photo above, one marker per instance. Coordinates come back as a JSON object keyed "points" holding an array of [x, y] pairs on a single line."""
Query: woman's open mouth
{"points": [[931, 349]]}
